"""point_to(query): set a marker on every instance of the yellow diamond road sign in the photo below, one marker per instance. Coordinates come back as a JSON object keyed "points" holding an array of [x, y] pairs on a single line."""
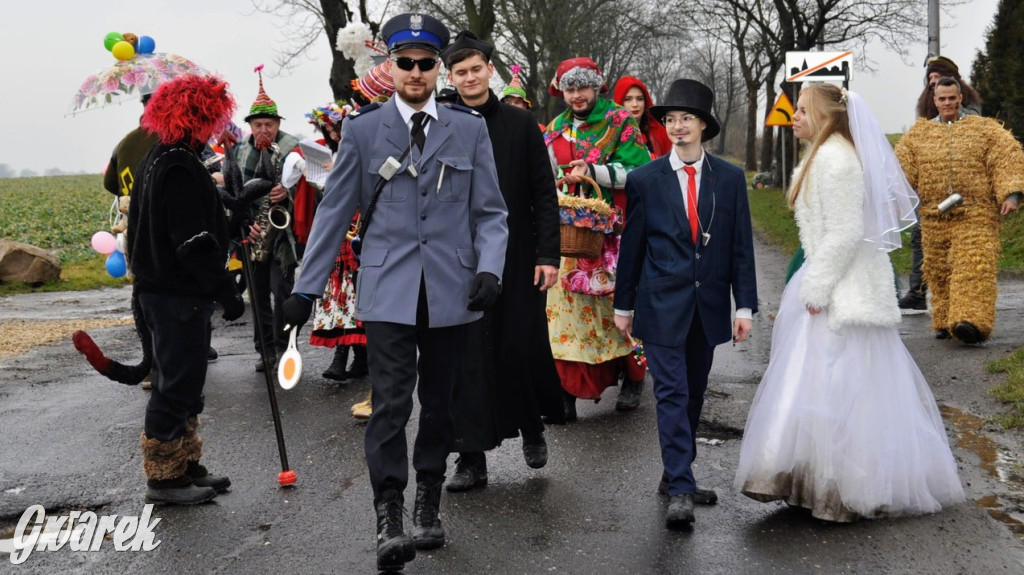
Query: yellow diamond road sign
{"points": [[782, 113]]}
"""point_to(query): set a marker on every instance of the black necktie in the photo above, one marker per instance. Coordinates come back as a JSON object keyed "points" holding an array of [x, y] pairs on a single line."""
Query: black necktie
{"points": [[418, 136]]}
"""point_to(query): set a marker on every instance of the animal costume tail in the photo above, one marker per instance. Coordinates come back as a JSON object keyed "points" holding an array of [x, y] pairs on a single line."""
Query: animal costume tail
{"points": [[117, 371]]}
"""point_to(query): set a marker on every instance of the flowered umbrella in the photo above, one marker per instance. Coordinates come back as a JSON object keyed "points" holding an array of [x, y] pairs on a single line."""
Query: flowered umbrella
{"points": [[131, 78]]}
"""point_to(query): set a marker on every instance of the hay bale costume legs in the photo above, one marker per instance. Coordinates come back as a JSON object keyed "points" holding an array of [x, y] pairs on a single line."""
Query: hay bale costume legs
{"points": [[960, 262]]}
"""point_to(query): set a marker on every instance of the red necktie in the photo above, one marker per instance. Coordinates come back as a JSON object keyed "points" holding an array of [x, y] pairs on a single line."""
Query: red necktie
{"points": [[691, 201]]}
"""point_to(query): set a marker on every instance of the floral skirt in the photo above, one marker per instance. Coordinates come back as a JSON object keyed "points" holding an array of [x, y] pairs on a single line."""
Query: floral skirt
{"points": [[334, 321]]}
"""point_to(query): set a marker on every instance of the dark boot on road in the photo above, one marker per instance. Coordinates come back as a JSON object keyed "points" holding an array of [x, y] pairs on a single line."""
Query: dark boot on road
{"points": [[427, 532], [164, 463], [535, 450], [470, 472], [680, 512], [192, 443], [359, 367], [394, 547], [914, 300], [337, 371], [629, 395], [569, 405]]}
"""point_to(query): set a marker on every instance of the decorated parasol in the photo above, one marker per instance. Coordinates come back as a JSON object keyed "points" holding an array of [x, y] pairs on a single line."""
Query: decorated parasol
{"points": [[138, 71]]}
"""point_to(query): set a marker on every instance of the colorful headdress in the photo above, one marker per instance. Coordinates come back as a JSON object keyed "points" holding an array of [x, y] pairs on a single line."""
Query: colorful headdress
{"points": [[263, 107], [377, 82], [330, 115], [515, 87], [189, 107]]}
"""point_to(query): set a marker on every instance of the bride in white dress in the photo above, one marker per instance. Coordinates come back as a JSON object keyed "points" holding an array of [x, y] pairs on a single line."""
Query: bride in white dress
{"points": [[843, 422]]}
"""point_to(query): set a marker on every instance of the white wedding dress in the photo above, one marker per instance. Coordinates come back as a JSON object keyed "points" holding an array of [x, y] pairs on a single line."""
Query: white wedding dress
{"points": [[844, 424]]}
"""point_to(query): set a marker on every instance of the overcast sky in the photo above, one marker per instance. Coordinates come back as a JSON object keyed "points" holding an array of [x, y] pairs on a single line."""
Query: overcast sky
{"points": [[50, 47]]}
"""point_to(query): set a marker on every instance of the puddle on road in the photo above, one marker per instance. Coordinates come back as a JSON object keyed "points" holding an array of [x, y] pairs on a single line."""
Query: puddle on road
{"points": [[996, 461]]}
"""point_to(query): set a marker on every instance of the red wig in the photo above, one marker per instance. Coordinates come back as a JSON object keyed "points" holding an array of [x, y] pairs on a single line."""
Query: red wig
{"points": [[189, 108]]}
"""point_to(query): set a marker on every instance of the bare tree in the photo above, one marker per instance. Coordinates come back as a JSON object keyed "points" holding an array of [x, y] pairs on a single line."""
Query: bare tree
{"points": [[766, 29], [714, 63], [307, 22]]}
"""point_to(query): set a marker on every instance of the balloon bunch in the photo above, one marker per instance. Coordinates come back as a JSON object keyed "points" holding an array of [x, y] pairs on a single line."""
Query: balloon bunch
{"points": [[105, 243], [125, 46]]}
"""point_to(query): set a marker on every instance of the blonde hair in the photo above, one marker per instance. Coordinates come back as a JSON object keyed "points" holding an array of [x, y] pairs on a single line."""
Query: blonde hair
{"points": [[826, 115]]}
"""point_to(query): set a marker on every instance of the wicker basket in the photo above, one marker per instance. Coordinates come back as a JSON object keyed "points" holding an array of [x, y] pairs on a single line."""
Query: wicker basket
{"points": [[580, 242]]}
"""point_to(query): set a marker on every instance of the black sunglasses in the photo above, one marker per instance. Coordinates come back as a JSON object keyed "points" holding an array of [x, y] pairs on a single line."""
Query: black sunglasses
{"points": [[407, 64]]}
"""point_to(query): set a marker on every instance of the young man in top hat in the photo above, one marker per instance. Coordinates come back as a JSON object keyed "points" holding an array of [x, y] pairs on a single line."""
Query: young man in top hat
{"points": [[274, 276], [511, 379], [686, 246], [432, 255]]}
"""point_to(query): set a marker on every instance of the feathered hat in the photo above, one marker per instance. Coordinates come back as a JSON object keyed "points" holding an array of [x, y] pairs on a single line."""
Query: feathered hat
{"points": [[330, 115], [356, 42], [515, 87], [263, 107]]}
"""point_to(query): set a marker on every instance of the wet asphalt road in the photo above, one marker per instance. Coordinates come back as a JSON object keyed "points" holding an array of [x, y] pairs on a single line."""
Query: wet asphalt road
{"points": [[71, 441]]}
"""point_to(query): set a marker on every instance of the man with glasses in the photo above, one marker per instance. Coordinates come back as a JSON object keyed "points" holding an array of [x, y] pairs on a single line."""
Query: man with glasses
{"points": [[433, 238], [686, 248]]}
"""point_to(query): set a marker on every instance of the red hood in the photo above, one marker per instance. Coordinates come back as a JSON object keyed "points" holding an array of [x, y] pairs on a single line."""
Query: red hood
{"points": [[624, 84]]}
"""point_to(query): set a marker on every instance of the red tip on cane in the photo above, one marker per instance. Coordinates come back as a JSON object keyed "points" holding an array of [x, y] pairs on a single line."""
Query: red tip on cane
{"points": [[287, 477]]}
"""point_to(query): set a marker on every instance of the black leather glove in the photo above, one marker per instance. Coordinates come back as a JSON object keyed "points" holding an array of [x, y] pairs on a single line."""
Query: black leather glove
{"points": [[297, 309], [483, 292], [233, 308], [232, 303]]}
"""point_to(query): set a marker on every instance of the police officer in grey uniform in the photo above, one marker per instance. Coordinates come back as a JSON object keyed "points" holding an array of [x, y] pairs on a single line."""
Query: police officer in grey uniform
{"points": [[432, 255]]}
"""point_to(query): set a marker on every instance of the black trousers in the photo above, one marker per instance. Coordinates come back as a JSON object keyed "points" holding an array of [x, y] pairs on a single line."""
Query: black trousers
{"points": [[271, 282], [394, 369], [181, 339]]}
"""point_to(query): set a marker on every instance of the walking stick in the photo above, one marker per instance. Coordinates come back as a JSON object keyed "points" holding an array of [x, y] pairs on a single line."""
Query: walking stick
{"points": [[287, 475]]}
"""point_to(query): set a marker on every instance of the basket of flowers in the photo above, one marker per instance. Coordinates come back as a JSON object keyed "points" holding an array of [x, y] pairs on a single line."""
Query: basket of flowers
{"points": [[584, 222]]}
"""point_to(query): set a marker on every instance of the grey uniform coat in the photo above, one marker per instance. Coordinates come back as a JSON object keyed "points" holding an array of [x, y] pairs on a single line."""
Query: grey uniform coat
{"points": [[446, 231]]}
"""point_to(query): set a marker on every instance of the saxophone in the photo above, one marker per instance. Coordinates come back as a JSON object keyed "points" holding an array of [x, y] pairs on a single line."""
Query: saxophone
{"points": [[270, 217]]}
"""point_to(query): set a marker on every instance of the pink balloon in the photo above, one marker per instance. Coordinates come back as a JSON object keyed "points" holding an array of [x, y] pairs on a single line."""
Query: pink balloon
{"points": [[104, 242]]}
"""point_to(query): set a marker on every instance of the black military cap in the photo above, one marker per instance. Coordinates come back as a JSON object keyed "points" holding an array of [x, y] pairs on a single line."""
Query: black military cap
{"points": [[467, 39], [415, 30]]}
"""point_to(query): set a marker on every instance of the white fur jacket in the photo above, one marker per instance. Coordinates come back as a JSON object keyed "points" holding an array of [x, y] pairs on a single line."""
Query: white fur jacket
{"points": [[843, 274]]}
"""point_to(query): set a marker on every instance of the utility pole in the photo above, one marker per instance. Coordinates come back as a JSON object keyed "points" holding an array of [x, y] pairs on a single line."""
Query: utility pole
{"points": [[933, 28]]}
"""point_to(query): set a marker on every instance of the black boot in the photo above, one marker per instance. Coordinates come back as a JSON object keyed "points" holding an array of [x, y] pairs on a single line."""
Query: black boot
{"points": [[629, 395], [192, 443], [535, 450], [569, 405], [359, 368], [470, 472], [337, 370], [394, 547], [427, 532], [164, 463], [201, 477]]}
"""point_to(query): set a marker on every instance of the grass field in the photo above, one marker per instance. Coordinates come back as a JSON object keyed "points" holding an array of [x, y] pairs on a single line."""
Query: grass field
{"points": [[60, 214]]}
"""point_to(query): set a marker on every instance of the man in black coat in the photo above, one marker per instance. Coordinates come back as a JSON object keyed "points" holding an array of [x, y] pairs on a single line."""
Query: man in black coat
{"points": [[510, 379]]}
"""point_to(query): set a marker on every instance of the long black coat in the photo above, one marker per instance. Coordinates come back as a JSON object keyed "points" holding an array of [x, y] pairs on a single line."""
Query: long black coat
{"points": [[512, 381]]}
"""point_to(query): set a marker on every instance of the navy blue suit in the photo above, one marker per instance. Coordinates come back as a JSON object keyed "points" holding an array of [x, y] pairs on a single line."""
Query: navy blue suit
{"points": [[680, 292]]}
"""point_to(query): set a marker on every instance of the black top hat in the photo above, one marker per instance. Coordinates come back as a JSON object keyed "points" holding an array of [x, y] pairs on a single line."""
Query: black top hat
{"points": [[693, 97]]}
